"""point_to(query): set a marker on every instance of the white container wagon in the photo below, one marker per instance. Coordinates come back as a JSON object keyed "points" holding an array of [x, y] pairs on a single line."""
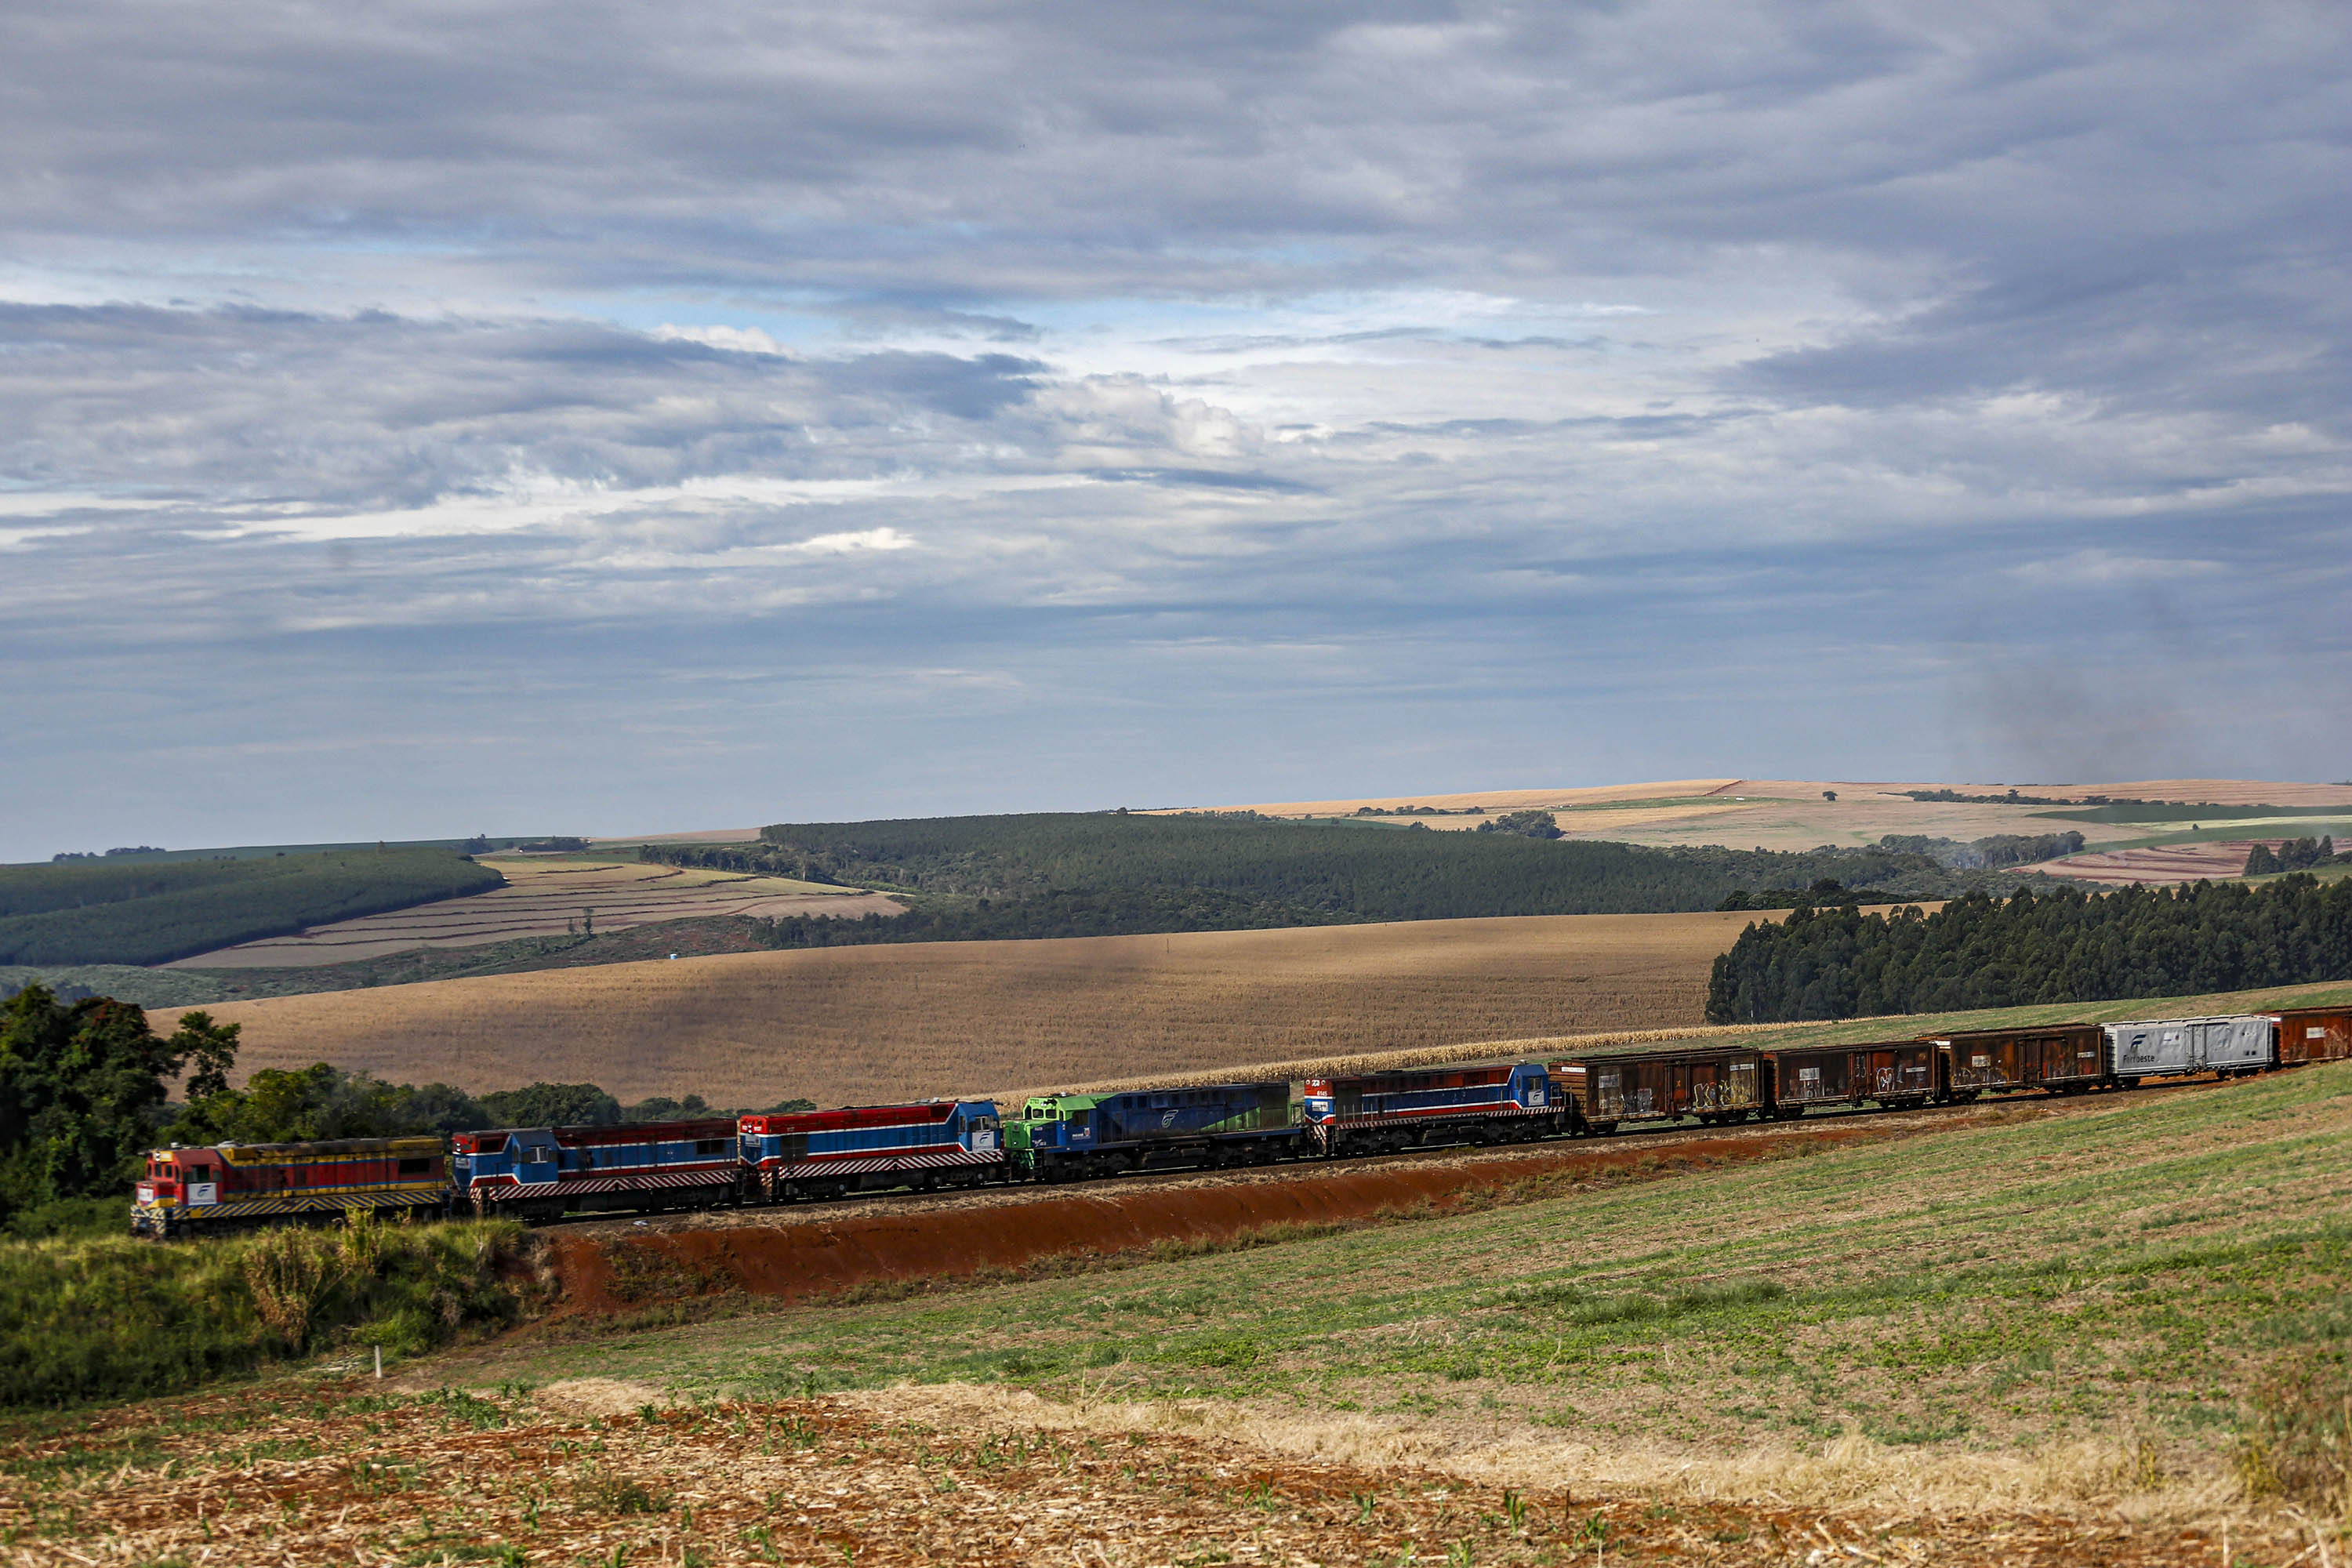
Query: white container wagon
{"points": [[2171, 1048]]}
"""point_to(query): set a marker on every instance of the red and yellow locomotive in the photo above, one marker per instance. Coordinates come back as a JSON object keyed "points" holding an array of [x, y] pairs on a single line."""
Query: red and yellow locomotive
{"points": [[231, 1185]]}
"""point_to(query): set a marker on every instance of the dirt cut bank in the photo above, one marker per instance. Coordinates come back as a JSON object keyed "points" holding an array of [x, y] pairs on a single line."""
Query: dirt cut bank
{"points": [[797, 1255]]}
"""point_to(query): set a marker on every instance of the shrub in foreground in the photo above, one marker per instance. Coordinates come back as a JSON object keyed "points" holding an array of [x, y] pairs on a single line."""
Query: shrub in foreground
{"points": [[98, 1318]]}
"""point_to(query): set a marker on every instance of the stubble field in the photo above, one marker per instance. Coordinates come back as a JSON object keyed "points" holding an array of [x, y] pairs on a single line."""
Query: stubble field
{"points": [[862, 1025], [1792, 814]]}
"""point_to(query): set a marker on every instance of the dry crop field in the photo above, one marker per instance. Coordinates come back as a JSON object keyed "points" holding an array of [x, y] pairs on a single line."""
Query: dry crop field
{"points": [[590, 1471], [1789, 813], [544, 896], [861, 1024]]}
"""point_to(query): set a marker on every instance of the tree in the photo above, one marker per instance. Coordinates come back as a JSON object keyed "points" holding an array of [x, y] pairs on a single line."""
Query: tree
{"points": [[1829, 795], [2260, 862], [1527, 824], [81, 1087], [551, 1105], [320, 1102]]}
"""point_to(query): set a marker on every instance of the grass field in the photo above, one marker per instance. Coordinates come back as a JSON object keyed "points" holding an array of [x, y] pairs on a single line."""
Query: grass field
{"points": [[859, 1025], [547, 895]]}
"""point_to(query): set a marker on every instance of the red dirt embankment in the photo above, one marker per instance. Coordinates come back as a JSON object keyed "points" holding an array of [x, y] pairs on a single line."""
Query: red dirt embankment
{"points": [[798, 1258]]}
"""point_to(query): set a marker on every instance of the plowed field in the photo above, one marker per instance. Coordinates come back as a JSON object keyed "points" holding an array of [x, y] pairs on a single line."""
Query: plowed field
{"points": [[2154, 868], [863, 1025]]}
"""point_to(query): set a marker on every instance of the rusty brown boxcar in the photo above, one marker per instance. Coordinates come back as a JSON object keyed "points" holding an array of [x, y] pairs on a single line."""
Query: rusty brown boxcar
{"points": [[1897, 1074], [2064, 1058], [2313, 1035], [1720, 1085]]}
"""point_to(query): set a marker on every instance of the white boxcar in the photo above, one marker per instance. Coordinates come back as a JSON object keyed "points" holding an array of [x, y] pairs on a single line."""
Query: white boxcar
{"points": [[2167, 1047]]}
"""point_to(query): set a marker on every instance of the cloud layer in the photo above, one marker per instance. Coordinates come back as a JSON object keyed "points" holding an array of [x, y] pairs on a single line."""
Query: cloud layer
{"points": [[587, 417]]}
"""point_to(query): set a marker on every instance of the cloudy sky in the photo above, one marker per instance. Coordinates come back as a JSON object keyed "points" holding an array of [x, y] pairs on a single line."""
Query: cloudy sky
{"points": [[437, 416]]}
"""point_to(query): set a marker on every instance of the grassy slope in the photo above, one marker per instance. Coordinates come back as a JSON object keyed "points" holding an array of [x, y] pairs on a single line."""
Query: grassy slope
{"points": [[2112, 1269]]}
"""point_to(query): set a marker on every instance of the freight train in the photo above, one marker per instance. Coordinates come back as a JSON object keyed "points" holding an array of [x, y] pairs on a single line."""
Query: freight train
{"points": [[540, 1174]]}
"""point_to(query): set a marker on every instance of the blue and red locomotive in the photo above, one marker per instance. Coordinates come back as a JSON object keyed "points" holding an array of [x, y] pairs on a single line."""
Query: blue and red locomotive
{"points": [[1375, 1113], [546, 1173], [828, 1154]]}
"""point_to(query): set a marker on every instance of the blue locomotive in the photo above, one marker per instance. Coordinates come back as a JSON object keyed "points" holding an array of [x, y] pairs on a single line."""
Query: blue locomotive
{"points": [[1064, 1137]]}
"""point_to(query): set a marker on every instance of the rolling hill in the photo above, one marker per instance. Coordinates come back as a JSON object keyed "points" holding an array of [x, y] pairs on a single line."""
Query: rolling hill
{"points": [[844, 1026]]}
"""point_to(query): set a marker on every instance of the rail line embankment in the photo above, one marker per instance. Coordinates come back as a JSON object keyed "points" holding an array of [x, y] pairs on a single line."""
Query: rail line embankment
{"points": [[843, 1251]]}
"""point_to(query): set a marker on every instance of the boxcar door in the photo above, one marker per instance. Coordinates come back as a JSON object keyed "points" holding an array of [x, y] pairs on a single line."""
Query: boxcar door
{"points": [[1608, 1093]]}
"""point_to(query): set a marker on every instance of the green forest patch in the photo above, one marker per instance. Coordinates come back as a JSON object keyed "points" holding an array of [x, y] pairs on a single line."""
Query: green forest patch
{"points": [[1257, 871], [125, 911], [2060, 947]]}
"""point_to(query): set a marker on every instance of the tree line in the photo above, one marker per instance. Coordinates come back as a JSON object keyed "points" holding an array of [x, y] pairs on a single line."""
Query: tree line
{"points": [[2293, 854], [1081, 873], [1980, 951]]}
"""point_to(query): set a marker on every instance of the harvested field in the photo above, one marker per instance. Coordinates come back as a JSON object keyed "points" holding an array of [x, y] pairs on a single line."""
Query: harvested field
{"points": [[707, 835], [547, 896], [845, 1026], [1791, 815], [593, 1470]]}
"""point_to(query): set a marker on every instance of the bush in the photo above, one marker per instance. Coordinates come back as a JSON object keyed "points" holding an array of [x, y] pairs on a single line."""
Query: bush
{"points": [[109, 1318]]}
